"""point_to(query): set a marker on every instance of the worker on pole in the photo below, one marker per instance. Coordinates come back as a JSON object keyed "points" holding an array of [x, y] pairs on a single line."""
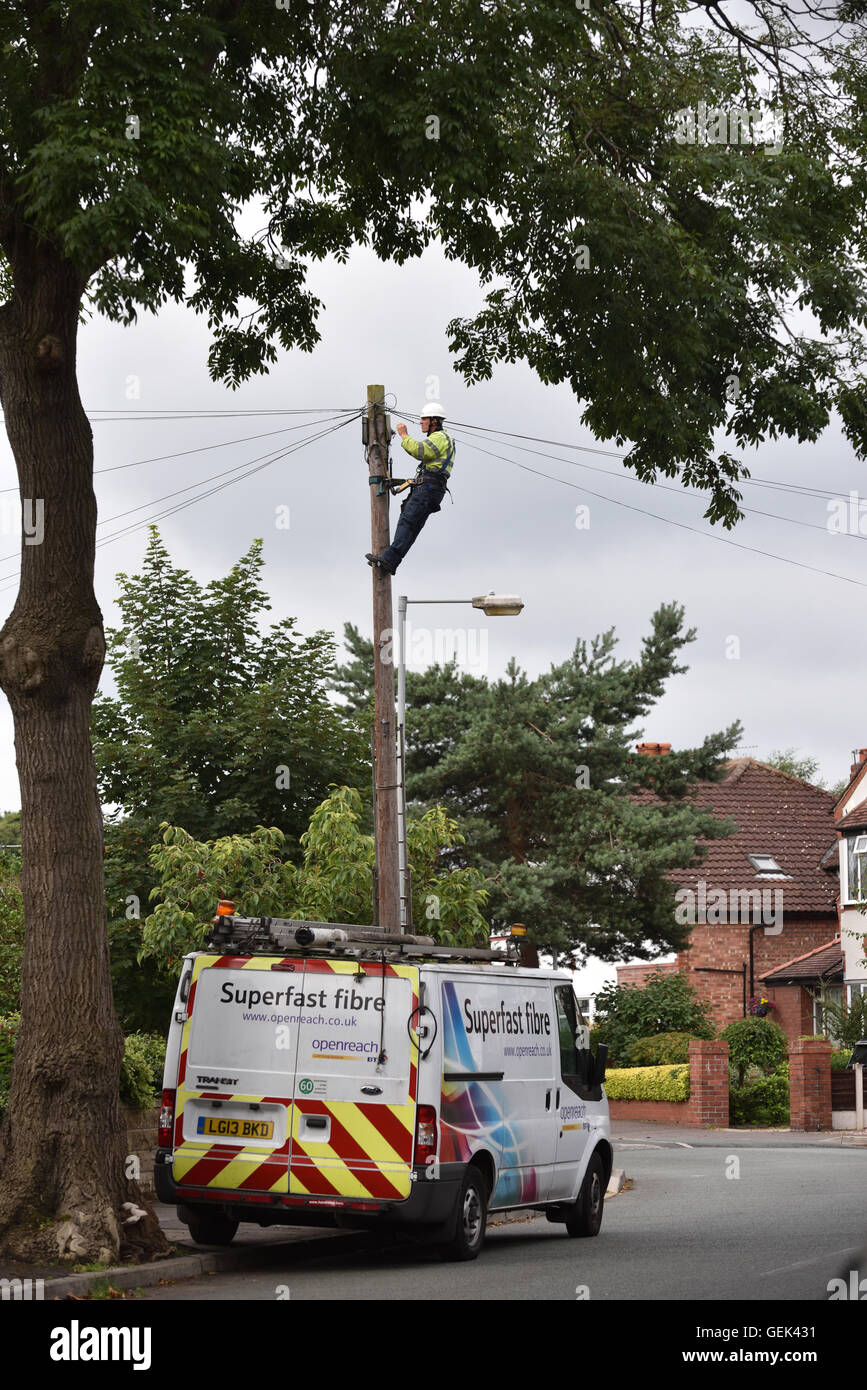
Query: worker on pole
{"points": [[435, 455]]}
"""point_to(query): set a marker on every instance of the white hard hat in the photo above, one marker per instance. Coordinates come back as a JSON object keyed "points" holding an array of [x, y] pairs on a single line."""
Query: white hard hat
{"points": [[432, 410]]}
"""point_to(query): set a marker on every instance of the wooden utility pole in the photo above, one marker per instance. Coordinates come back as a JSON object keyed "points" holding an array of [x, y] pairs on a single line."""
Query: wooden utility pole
{"points": [[387, 877]]}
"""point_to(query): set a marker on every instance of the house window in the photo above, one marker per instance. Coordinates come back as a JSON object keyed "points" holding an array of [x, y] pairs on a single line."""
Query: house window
{"points": [[765, 865], [856, 868]]}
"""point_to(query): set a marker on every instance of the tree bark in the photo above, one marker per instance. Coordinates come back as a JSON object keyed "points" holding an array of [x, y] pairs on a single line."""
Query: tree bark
{"points": [[62, 1146]]}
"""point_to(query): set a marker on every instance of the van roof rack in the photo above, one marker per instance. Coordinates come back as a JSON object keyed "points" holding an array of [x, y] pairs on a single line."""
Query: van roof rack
{"points": [[232, 934]]}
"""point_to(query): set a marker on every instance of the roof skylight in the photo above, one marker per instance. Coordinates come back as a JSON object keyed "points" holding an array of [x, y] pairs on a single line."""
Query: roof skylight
{"points": [[766, 864]]}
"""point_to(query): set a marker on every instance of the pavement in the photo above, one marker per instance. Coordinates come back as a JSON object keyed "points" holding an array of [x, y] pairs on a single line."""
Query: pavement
{"points": [[627, 1134], [255, 1246]]}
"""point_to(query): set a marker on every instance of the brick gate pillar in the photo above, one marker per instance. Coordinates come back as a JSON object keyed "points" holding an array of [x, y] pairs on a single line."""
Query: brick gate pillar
{"points": [[709, 1083], [810, 1084]]}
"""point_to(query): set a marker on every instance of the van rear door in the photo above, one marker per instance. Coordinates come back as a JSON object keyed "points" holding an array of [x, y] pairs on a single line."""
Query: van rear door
{"points": [[353, 1119], [298, 1075], [236, 1076]]}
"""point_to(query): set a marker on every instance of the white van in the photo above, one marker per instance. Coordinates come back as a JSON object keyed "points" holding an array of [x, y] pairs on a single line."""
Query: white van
{"points": [[330, 1075]]}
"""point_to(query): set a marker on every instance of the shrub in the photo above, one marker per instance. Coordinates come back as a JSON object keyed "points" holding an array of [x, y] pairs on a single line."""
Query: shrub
{"points": [[755, 1042], [764, 1101], [648, 1083], [661, 1050], [11, 934], [846, 1021], [667, 1003], [141, 1071], [8, 1034], [841, 1058]]}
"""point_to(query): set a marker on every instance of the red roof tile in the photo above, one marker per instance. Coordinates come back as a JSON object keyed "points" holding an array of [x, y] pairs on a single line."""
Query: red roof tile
{"points": [[777, 814], [817, 964]]}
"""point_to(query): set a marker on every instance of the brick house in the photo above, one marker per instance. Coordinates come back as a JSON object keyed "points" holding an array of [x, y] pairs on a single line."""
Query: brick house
{"points": [[761, 900], [850, 817]]}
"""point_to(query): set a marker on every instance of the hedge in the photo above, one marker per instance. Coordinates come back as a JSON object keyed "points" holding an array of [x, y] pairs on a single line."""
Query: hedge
{"points": [[662, 1049], [648, 1083], [764, 1101]]}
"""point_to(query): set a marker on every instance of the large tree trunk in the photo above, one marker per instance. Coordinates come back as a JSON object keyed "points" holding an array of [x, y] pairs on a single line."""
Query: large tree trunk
{"points": [[62, 1149]]}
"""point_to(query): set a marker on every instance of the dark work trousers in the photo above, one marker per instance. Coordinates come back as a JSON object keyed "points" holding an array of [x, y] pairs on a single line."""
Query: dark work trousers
{"points": [[425, 498]]}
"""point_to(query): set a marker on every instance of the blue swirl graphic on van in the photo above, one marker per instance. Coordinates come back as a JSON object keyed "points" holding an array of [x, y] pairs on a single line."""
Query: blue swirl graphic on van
{"points": [[472, 1115]]}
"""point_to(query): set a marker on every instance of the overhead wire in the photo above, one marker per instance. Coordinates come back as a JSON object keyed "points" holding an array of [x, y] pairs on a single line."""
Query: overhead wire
{"points": [[270, 457], [777, 485], [680, 491], [247, 469], [132, 413], [682, 525], [264, 461], [200, 449]]}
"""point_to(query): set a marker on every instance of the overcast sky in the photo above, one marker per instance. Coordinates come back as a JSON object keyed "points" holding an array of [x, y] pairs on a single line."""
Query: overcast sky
{"points": [[777, 647]]}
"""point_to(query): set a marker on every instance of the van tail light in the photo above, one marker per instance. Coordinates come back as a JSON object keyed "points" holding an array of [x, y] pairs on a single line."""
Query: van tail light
{"points": [[165, 1133], [426, 1136]]}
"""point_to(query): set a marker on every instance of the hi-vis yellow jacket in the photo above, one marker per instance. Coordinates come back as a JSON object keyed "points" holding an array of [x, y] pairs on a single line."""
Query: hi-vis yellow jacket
{"points": [[436, 453]]}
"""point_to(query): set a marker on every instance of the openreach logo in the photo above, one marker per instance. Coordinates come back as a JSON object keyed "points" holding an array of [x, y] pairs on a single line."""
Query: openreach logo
{"points": [[734, 125], [760, 907], [77, 1343]]}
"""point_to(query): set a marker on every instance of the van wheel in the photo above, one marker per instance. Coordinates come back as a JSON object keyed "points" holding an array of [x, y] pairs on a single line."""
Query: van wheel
{"points": [[470, 1218], [586, 1216], [211, 1227]]}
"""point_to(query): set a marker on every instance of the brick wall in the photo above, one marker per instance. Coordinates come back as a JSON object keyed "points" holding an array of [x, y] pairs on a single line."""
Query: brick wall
{"points": [[727, 947], [794, 1008], [810, 1085], [639, 974], [708, 1104], [141, 1143]]}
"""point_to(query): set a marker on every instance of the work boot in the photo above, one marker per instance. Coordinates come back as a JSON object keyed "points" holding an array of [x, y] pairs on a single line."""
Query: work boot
{"points": [[379, 562]]}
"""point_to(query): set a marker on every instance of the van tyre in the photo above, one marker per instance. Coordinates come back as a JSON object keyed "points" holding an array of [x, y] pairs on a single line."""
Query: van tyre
{"points": [[470, 1218], [211, 1227], [586, 1216]]}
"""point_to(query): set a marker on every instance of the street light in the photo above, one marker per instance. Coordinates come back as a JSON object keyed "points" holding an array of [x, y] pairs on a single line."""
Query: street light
{"points": [[499, 605], [494, 606]]}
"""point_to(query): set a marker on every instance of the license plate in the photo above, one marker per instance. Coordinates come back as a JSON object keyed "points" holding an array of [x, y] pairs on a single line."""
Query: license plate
{"points": [[225, 1128]]}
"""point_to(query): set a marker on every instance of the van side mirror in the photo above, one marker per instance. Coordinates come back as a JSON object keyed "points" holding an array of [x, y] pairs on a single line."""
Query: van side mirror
{"points": [[600, 1061]]}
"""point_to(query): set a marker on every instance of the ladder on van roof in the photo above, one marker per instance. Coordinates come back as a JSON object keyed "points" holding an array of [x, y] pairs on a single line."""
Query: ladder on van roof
{"points": [[233, 934]]}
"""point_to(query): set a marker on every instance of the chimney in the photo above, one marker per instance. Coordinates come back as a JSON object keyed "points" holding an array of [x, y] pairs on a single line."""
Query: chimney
{"points": [[658, 750], [859, 757]]}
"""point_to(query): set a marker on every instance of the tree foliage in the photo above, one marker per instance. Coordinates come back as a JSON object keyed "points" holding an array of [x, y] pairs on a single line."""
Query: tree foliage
{"points": [[332, 883], [754, 1042], [667, 1003], [575, 831], [132, 136], [217, 726], [795, 763], [138, 142]]}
